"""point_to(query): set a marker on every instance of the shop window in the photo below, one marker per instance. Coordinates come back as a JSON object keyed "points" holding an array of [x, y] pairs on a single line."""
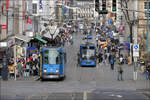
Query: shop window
{"points": [[145, 9], [34, 8]]}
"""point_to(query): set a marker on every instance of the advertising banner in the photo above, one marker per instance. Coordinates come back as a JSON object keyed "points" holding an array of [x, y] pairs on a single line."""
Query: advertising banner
{"points": [[7, 4], [121, 28], [4, 26], [40, 6]]}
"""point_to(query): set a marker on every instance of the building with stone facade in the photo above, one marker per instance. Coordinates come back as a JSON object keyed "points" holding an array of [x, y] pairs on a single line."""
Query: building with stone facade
{"points": [[85, 9], [142, 26], [22, 21]]}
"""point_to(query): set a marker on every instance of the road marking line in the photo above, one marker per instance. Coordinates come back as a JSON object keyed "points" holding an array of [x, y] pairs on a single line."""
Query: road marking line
{"points": [[112, 95], [85, 95], [119, 96]]}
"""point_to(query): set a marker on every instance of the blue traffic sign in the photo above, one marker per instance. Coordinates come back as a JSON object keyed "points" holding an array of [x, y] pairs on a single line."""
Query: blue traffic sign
{"points": [[109, 21], [136, 47]]}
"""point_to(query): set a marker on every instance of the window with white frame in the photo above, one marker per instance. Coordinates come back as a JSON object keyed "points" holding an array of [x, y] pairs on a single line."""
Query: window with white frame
{"points": [[34, 8], [145, 9]]}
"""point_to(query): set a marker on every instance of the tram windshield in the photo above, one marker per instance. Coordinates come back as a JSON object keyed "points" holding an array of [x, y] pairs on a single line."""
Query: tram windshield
{"points": [[88, 53], [52, 57]]}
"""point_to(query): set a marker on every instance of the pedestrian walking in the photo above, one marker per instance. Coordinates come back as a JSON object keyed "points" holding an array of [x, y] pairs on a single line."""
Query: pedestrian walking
{"points": [[78, 58], [100, 58], [112, 63], [19, 68], [120, 72], [148, 70], [27, 70], [105, 58], [12, 71], [121, 59], [34, 67], [109, 57]]}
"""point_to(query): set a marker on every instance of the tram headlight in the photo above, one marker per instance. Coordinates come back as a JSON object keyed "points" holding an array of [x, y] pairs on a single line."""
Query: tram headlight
{"points": [[45, 70], [57, 70]]}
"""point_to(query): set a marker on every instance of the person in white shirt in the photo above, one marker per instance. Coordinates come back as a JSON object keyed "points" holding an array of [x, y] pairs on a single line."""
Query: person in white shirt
{"points": [[121, 59]]}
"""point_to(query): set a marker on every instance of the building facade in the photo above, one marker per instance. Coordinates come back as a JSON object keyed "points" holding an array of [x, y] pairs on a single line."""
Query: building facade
{"points": [[142, 26], [85, 9]]}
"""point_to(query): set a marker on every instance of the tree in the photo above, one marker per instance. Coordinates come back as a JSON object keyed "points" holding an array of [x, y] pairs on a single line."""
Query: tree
{"points": [[129, 16]]}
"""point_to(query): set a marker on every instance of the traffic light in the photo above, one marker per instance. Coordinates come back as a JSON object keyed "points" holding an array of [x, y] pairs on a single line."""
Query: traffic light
{"points": [[103, 4], [97, 5], [113, 5], [103, 11]]}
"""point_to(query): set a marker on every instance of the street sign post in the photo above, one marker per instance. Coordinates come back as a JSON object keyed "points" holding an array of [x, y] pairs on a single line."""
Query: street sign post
{"points": [[136, 50], [135, 55]]}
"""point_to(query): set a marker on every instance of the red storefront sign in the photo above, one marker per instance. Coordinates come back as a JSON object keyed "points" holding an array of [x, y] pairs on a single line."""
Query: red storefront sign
{"points": [[29, 20], [7, 4], [4, 26]]}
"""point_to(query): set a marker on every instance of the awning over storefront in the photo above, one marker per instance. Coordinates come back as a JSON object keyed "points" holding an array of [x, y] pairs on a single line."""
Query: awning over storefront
{"points": [[22, 37], [31, 48], [125, 46], [40, 39]]}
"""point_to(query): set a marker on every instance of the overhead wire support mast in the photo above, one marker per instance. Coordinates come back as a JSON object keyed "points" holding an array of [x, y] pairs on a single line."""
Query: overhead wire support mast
{"points": [[148, 12]]}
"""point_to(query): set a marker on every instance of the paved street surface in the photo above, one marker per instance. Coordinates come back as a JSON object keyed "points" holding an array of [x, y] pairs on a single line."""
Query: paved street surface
{"points": [[97, 83]]}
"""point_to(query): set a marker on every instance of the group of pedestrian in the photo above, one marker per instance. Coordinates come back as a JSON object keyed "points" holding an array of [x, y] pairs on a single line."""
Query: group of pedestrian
{"points": [[25, 68], [67, 38], [108, 54], [32, 65]]}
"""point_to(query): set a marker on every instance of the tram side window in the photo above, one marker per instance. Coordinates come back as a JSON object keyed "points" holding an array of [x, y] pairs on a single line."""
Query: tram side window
{"points": [[46, 57], [92, 52], [61, 58]]}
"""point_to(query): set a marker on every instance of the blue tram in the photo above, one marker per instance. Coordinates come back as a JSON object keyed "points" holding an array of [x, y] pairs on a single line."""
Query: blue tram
{"points": [[87, 54], [52, 63]]}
